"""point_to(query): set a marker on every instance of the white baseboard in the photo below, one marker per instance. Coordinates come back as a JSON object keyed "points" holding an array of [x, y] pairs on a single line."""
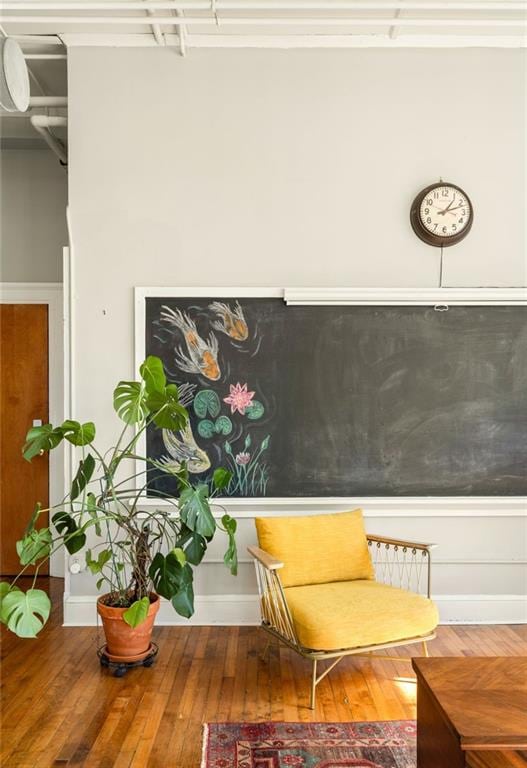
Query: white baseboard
{"points": [[232, 610]]}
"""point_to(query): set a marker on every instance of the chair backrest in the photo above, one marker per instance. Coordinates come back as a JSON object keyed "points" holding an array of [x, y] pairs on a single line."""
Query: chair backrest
{"points": [[317, 549]]}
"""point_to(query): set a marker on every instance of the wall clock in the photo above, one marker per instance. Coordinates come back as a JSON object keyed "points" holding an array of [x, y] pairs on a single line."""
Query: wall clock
{"points": [[441, 214]]}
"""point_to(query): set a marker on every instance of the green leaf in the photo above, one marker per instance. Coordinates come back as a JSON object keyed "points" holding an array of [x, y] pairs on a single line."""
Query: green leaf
{"points": [[255, 410], [265, 443], [96, 566], [206, 402], [231, 555], [25, 613], [165, 574], [228, 448], [153, 374], [129, 401], [223, 426], [206, 428], [137, 612], [183, 600], [5, 588], [34, 546], [166, 410], [74, 538], [195, 549], [99, 582], [33, 519], [195, 510], [43, 438], [83, 476], [247, 443], [221, 478], [180, 555], [91, 506], [78, 434]]}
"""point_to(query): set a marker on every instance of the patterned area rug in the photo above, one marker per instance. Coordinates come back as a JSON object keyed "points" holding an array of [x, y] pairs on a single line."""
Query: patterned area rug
{"points": [[309, 745]]}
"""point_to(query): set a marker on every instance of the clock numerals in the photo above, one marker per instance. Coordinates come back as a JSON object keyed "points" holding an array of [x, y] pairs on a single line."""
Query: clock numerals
{"points": [[442, 214]]}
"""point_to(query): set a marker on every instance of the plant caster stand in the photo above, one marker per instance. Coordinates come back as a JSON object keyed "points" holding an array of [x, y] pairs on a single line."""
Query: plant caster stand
{"points": [[121, 667]]}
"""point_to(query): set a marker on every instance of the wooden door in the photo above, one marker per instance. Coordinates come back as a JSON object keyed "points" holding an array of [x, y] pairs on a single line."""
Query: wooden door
{"points": [[24, 399]]}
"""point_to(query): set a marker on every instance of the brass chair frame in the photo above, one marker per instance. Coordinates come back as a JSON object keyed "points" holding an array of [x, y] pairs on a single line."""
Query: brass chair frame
{"points": [[397, 562]]}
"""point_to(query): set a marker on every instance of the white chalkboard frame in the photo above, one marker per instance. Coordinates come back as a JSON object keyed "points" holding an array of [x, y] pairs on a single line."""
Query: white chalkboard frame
{"points": [[441, 298]]}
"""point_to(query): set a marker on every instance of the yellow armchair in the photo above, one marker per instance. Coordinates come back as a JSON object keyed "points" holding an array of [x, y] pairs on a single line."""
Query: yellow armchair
{"points": [[328, 590]]}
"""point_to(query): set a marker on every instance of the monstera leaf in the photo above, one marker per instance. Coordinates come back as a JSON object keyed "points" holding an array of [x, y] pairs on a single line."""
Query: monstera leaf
{"points": [[74, 537], [137, 612], [153, 374], [25, 613], [83, 476], [166, 410], [129, 402], [33, 546], [183, 600], [39, 439], [231, 555], [78, 434], [195, 510]]}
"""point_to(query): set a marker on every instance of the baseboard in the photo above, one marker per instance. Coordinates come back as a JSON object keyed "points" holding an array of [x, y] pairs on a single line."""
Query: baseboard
{"points": [[232, 610]]}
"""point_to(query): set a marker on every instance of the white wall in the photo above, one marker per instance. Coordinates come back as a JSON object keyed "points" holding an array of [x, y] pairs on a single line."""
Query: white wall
{"points": [[277, 168], [33, 198]]}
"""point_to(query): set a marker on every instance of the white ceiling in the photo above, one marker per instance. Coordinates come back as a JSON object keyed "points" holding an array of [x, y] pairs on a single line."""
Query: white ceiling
{"points": [[272, 23]]}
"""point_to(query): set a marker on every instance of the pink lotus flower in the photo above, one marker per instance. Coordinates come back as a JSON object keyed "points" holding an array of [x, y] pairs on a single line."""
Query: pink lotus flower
{"points": [[242, 458], [239, 398]]}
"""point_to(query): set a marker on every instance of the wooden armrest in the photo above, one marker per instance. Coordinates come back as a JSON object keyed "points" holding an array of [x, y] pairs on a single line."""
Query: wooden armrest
{"points": [[400, 542], [263, 557]]}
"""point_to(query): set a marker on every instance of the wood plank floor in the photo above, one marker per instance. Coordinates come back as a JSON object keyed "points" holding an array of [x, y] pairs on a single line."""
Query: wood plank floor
{"points": [[60, 708]]}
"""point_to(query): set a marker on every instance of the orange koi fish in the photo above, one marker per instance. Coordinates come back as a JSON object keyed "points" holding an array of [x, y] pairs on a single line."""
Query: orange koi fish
{"points": [[231, 321], [202, 357]]}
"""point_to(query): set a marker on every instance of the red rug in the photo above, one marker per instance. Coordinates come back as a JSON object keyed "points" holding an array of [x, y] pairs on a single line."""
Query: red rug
{"points": [[309, 745]]}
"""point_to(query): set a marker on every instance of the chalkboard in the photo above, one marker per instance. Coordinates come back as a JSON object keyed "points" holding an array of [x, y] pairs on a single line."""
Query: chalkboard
{"points": [[314, 401]]}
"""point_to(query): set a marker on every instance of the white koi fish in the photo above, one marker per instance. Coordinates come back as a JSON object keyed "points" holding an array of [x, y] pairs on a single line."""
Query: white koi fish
{"points": [[231, 321], [202, 357], [182, 447]]}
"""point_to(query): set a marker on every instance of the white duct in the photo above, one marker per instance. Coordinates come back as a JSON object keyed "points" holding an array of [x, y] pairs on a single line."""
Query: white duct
{"points": [[42, 124]]}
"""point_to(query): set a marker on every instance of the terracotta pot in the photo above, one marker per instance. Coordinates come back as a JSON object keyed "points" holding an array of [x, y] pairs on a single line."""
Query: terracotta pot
{"points": [[123, 642]]}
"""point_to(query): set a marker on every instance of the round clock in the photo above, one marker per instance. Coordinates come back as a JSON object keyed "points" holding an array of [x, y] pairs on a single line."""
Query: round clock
{"points": [[441, 214]]}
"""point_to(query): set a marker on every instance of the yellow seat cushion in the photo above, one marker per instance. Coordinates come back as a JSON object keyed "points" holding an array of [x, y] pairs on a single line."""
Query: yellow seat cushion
{"points": [[317, 549], [354, 614]]}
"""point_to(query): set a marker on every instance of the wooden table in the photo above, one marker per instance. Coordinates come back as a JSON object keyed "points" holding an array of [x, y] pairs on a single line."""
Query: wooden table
{"points": [[471, 712]]}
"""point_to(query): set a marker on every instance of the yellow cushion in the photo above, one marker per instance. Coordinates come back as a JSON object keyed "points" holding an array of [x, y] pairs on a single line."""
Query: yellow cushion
{"points": [[317, 549], [354, 614]]}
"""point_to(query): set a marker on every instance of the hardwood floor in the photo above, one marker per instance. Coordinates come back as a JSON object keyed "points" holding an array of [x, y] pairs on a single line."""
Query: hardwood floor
{"points": [[61, 708]]}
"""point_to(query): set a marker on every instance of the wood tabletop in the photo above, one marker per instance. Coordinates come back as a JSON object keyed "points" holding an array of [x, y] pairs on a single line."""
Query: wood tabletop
{"points": [[484, 700]]}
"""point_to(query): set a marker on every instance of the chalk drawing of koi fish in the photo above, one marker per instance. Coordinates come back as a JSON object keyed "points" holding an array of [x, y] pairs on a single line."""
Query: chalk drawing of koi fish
{"points": [[182, 447], [231, 321], [202, 357]]}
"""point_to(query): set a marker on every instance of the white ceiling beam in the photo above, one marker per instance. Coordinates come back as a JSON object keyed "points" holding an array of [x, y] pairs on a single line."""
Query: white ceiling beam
{"points": [[76, 39], [268, 5], [265, 21]]}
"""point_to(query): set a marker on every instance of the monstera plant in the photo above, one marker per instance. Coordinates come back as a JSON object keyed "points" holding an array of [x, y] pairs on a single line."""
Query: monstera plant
{"points": [[137, 552]]}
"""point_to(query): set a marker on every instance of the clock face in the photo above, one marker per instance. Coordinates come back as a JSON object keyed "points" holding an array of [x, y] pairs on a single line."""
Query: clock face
{"points": [[445, 211], [441, 214]]}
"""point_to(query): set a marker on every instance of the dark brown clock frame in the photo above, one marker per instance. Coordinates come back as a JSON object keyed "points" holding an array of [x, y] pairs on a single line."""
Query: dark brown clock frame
{"points": [[429, 237]]}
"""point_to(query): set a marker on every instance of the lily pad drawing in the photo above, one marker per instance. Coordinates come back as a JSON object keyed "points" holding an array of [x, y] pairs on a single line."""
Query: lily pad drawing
{"points": [[208, 428], [206, 402], [255, 410]]}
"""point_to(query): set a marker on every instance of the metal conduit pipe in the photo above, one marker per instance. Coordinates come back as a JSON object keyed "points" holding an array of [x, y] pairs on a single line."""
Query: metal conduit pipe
{"points": [[266, 5], [42, 124], [264, 21], [48, 101]]}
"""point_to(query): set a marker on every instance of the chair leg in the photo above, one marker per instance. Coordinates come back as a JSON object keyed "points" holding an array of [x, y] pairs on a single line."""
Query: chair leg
{"points": [[425, 649], [313, 684]]}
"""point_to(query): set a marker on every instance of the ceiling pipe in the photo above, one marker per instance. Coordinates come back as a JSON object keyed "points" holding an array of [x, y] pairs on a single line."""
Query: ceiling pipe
{"points": [[156, 29], [48, 101], [42, 124], [263, 21], [267, 5]]}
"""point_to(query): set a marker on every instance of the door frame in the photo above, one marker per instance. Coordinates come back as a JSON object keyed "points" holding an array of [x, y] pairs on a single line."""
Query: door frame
{"points": [[50, 294]]}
